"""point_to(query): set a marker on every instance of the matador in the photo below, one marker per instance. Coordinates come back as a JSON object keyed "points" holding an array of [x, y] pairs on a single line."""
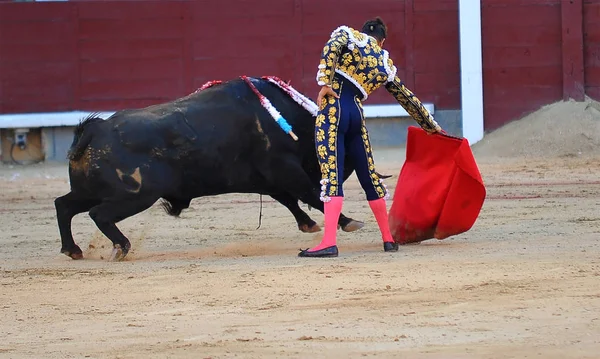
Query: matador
{"points": [[353, 64]]}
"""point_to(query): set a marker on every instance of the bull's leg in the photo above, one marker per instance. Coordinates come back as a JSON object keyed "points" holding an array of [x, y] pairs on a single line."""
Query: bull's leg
{"points": [[305, 223], [291, 177], [67, 207], [108, 213], [347, 224]]}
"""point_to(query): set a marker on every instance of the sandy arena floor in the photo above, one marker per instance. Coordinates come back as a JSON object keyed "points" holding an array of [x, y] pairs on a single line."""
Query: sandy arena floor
{"points": [[523, 283]]}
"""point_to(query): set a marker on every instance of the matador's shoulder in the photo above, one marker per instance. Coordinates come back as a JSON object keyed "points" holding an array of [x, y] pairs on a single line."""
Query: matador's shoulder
{"points": [[355, 37]]}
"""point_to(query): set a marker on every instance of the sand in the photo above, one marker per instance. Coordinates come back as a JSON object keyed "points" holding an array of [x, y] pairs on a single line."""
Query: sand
{"points": [[522, 283], [562, 129]]}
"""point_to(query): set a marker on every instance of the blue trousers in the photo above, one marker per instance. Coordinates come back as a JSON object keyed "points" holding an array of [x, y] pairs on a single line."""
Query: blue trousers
{"points": [[339, 130]]}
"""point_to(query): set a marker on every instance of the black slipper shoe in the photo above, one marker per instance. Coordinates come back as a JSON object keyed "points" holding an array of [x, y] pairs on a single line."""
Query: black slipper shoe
{"points": [[321, 253]]}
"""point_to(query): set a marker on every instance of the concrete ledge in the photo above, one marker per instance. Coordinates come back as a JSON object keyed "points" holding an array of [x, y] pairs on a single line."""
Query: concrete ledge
{"points": [[72, 118], [392, 132], [392, 110], [387, 126], [45, 119]]}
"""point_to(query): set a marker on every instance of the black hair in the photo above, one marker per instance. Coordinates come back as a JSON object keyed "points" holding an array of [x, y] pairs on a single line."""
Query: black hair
{"points": [[376, 28]]}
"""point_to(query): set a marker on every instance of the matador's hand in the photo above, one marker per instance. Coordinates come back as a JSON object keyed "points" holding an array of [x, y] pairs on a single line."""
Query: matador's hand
{"points": [[436, 129], [325, 90]]}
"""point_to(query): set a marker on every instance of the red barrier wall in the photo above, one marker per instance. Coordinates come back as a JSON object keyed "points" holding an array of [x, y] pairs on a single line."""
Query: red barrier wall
{"points": [[591, 36], [38, 57], [522, 60], [97, 55], [108, 55]]}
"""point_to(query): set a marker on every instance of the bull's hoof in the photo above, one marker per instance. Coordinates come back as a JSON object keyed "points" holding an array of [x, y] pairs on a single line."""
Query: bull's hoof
{"points": [[74, 253], [353, 225], [307, 228], [118, 253]]}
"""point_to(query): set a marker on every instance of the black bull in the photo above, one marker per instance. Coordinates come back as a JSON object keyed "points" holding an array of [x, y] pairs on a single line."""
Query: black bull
{"points": [[215, 141]]}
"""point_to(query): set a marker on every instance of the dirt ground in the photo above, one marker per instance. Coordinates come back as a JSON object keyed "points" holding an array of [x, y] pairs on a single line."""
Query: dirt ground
{"points": [[523, 283]]}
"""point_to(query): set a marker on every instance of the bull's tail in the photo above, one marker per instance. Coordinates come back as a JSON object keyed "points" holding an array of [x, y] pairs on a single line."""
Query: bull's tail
{"points": [[81, 137], [173, 207]]}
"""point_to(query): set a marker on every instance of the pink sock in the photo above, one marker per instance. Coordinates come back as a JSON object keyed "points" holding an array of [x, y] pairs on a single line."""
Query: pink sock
{"points": [[380, 211], [333, 209]]}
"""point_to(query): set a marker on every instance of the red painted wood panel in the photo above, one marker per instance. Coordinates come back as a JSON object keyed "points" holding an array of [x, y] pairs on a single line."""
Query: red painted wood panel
{"points": [[444, 56], [593, 91], [258, 42], [25, 103], [504, 3], [259, 25], [130, 54], [115, 70], [36, 87], [106, 55], [572, 50], [591, 58], [120, 29], [49, 52], [148, 10], [591, 38], [592, 76], [437, 68], [28, 33], [500, 114], [32, 73], [541, 35], [36, 72], [522, 58], [118, 103], [100, 49], [522, 76], [244, 47], [223, 69], [592, 29], [409, 45], [527, 14], [187, 47], [521, 96], [33, 11], [112, 46], [364, 8], [215, 12], [436, 5], [131, 89], [443, 89]]}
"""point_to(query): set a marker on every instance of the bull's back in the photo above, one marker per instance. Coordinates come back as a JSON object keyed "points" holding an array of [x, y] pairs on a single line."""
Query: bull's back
{"points": [[210, 142], [231, 144]]}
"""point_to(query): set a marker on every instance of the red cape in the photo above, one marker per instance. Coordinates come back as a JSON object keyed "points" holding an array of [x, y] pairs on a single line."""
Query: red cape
{"points": [[439, 192]]}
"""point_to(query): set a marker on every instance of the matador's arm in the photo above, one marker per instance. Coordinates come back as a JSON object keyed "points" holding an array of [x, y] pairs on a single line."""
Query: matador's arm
{"points": [[411, 103], [329, 56]]}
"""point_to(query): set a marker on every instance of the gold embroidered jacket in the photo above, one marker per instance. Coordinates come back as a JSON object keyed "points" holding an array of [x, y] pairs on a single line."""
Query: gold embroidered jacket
{"points": [[358, 58]]}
